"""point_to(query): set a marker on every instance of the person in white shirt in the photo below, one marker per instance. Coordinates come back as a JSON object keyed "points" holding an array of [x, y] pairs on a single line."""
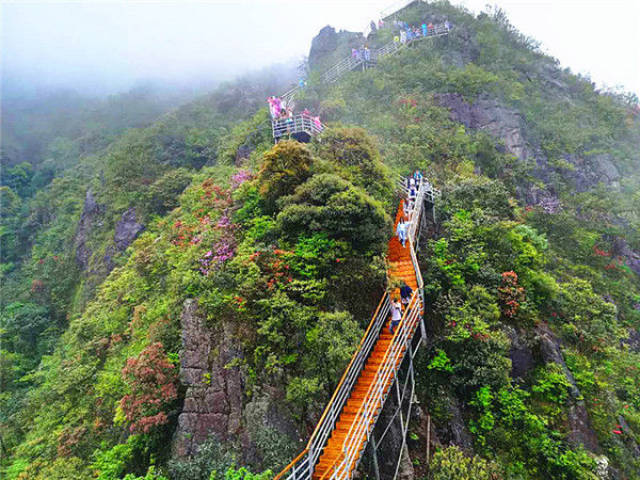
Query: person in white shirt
{"points": [[396, 314]]}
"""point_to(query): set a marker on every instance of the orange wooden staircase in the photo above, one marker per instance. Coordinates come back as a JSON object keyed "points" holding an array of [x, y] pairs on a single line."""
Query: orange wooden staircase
{"points": [[337, 444], [400, 267]]}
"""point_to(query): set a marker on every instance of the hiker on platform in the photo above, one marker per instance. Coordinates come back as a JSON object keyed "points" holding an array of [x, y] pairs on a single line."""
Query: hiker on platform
{"points": [[367, 54], [430, 28], [401, 231], [396, 40], [417, 175], [405, 294], [396, 315], [403, 36], [424, 30], [447, 25]]}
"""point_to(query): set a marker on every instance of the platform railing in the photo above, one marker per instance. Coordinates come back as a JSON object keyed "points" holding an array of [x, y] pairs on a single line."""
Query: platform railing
{"points": [[301, 123]]}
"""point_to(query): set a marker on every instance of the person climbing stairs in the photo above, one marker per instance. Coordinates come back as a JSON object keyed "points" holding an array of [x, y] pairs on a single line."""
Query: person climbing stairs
{"points": [[338, 442]]}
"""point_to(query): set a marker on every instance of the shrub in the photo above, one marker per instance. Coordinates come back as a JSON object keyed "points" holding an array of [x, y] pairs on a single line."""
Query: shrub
{"points": [[152, 379], [327, 203], [284, 167], [357, 159], [452, 464]]}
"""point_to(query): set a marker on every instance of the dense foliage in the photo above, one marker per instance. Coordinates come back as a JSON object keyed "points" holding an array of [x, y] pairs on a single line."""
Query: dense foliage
{"points": [[533, 301]]}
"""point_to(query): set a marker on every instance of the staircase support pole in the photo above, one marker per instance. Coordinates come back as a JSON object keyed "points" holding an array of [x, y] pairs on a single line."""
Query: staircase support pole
{"points": [[374, 450]]}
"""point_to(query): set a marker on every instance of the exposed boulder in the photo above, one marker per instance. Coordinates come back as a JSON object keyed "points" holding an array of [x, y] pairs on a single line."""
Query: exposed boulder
{"points": [[330, 46], [213, 399], [127, 229], [632, 258], [323, 44], [91, 213], [580, 431], [522, 360], [589, 171], [489, 115]]}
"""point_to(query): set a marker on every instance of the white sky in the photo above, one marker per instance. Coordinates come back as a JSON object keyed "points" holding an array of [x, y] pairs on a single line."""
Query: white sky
{"points": [[108, 45]]}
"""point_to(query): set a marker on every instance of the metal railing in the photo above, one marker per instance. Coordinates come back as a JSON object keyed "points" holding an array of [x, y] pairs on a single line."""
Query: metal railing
{"points": [[365, 419], [343, 66], [350, 63], [301, 123], [302, 466]]}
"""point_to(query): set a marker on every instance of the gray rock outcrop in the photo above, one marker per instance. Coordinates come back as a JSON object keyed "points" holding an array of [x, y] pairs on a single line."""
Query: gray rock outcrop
{"points": [[91, 213], [127, 229], [580, 431], [214, 399], [489, 115]]}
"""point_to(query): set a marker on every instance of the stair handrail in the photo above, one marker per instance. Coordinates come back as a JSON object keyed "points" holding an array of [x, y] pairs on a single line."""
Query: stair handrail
{"points": [[382, 364], [361, 419], [375, 393], [306, 460], [331, 412]]}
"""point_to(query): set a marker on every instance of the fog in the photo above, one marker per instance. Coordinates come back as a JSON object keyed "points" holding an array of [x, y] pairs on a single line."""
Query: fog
{"points": [[107, 47]]}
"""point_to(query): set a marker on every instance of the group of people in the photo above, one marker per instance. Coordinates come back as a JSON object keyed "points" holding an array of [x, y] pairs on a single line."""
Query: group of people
{"points": [[361, 53], [283, 116], [411, 32], [277, 108], [412, 184]]}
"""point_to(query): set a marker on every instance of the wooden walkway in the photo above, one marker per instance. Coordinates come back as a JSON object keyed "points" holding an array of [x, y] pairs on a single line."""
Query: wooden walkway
{"points": [[401, 267]]}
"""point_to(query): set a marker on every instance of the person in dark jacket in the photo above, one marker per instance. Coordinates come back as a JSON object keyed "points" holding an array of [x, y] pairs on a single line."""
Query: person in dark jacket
{"points": [[405, 294]]}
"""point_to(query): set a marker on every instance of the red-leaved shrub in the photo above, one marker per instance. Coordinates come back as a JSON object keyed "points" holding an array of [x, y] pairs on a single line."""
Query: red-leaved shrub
{"points": [[152, 379]]}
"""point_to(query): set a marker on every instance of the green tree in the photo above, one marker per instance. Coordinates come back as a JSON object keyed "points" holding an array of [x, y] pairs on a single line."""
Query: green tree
{"points": [[284, 167], [326, 203]]}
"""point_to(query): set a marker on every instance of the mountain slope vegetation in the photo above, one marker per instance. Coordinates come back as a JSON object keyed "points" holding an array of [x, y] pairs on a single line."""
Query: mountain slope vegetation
{"points": [[181, 303]]}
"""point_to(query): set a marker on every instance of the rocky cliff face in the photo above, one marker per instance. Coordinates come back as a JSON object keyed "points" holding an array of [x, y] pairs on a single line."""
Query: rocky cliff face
{"points": [[214, 400], [330, 46], [579, 424], [126, 231], [508, 126], [91, 214]]}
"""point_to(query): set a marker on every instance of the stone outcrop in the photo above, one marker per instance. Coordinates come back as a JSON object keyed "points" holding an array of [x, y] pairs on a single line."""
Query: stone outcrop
{"points": [[213, 400], [632, 258], [329, 46], [580, 431], [489, 115], [521, 355], [91, 214], [590, 171], [127, 229], [323, 44]]}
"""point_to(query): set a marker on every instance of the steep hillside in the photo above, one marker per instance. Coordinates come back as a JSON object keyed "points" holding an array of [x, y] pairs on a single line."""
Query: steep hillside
{"points": [[209, 288]]}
